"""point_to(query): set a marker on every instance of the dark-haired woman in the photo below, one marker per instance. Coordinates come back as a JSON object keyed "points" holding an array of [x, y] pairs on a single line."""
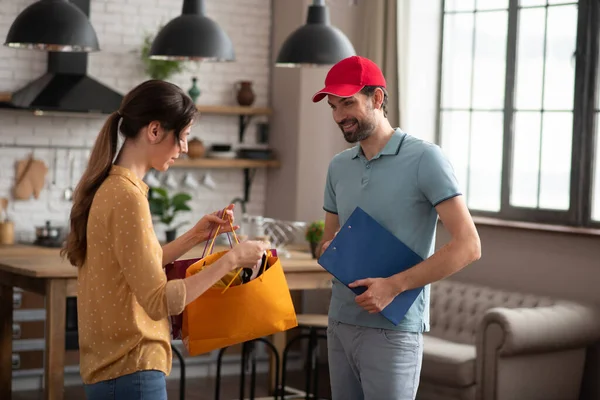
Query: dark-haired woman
{"points": [[124, 299]]}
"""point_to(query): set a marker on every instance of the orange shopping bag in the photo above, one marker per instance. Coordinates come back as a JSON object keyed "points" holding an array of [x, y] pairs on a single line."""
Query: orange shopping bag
{"points": [[233, 312]]}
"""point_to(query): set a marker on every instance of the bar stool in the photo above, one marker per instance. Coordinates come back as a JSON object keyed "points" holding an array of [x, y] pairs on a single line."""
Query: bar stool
{"points": [[248, 355], [181, 372], [316, 324]]}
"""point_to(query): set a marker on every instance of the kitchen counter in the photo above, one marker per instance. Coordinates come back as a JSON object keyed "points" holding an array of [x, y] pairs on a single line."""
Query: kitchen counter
{"points": [[41, 270], [43, 262]]}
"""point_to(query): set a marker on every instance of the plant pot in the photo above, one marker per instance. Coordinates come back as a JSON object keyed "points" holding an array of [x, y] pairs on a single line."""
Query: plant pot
{"points": [[313, 249], [171, 235]]}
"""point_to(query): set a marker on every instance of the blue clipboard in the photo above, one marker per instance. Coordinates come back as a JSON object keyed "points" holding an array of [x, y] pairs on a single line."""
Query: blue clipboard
{"points": [[365, 249]]}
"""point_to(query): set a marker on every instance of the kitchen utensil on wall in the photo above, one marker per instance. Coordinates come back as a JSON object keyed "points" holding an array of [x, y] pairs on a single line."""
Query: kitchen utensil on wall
{"points": [[53, 197], [7, 228], [170, 181], [190, 182], [68, 194], [208, 181], [30, 175], [23, 187], [151, 179]]}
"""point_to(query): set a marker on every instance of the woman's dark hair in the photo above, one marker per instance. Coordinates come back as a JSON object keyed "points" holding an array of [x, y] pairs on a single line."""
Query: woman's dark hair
{"points": [[369, 91], [153, 100]]}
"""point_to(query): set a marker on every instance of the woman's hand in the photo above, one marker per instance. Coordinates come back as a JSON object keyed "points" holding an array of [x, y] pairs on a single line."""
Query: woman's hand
{"points": [[248, 254], [210, 222]]}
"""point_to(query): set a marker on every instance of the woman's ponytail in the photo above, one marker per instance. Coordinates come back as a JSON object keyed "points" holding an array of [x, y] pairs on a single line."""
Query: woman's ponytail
{"points": [[99, 165]]}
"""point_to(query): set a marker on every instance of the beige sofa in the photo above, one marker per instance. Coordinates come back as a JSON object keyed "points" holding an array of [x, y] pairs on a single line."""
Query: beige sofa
{"points": [[488, 344]]}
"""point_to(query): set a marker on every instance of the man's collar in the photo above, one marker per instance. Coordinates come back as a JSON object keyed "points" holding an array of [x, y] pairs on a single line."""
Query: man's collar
{"points": [[391, 148]]}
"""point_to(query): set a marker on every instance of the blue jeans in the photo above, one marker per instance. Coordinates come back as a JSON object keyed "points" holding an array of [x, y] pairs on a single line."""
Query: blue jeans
{"points": [[147, 385], [373, 364]]}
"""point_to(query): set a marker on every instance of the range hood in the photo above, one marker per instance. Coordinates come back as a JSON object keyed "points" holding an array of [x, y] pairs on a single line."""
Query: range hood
{"points": [[66, 86]]}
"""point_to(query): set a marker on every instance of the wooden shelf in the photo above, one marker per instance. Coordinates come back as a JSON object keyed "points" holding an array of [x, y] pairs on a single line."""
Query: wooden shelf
{"points": [[233, 110], [206, 109], [224, 163]]}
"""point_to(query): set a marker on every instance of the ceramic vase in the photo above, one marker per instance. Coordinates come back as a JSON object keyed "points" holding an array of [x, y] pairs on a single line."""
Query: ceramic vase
{"points": [[196, 148], [194, 91], [245, 93]]}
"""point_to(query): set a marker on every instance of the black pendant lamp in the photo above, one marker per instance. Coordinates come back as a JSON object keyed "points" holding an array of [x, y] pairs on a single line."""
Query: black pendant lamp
{"points": [[192, 36], [53, 25], [317, 43]]}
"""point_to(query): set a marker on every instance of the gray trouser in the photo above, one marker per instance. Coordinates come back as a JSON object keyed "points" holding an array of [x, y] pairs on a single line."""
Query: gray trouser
{"points": [[373, 364]]}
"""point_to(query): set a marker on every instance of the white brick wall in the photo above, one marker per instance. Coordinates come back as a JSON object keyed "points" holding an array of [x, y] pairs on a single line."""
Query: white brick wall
{"points": [[121, 26]]}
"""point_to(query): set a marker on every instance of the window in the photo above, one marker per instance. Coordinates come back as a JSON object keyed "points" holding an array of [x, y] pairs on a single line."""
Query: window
{"points": [[596, 172], [516, 117]]}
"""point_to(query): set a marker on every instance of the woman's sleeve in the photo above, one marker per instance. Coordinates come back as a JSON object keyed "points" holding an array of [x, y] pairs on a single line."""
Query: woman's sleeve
{"points": [[140, 257]]}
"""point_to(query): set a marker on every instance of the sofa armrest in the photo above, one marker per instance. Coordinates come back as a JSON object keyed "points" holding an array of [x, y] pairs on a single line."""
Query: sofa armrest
{"points": [[528, 330]]}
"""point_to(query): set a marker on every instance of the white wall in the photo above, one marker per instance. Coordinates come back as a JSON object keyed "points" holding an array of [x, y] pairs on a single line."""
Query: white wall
{"points": [[306, 131], [121, 27], [320, 137]]}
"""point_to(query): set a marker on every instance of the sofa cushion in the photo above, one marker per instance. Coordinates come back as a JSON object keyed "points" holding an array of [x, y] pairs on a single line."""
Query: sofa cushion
{"points": [[448, 363], [457, 308]]}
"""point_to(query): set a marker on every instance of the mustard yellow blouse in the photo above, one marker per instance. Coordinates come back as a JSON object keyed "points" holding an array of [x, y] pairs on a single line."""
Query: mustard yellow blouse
{"points": [[124, 299]]}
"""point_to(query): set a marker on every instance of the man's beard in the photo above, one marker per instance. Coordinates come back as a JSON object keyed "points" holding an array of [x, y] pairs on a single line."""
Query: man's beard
{"points": [[363, 130]]}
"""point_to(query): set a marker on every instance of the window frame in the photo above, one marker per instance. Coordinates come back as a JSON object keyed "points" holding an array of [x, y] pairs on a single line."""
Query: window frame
{"points": [[584, 111]]}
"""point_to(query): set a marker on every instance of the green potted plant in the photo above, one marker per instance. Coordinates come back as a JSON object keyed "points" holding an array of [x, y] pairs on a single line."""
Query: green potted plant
{"points": [[166, 208], [158, 69], [314, 235]]}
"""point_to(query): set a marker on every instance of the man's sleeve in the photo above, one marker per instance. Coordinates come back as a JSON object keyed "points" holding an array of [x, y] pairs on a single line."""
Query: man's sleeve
{"points": [[329, 203], [435, 176], [140, 257]]}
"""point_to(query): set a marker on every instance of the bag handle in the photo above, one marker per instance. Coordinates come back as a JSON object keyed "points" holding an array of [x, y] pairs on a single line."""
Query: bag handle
{"points": [[210, 235], [212, 243]]}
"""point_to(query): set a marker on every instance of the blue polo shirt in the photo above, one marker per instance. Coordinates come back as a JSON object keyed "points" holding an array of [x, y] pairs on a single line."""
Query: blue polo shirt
{"points": [[399, 188]]}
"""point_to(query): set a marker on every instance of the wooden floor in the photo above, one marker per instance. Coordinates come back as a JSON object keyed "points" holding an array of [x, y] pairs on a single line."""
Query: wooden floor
{"points": [[204, 388]]}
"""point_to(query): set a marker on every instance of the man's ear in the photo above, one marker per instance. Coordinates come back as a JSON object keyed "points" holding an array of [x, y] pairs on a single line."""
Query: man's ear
{"points": [[378, 97]]}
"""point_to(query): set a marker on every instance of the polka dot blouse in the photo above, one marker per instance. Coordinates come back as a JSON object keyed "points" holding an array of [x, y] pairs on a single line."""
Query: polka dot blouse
{"points": [[124, 299]]}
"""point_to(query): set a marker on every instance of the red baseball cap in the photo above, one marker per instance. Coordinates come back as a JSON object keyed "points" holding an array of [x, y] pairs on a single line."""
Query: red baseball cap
{"points": [[349, 76]]}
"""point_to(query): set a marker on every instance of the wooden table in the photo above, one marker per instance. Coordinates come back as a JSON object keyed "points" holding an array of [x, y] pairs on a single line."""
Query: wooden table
{"points": [[41, 270]]}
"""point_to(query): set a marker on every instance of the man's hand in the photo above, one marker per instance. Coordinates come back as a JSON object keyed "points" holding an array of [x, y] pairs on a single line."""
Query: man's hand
{"points": [[332, 226], [380, 293], [327, 243]]}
